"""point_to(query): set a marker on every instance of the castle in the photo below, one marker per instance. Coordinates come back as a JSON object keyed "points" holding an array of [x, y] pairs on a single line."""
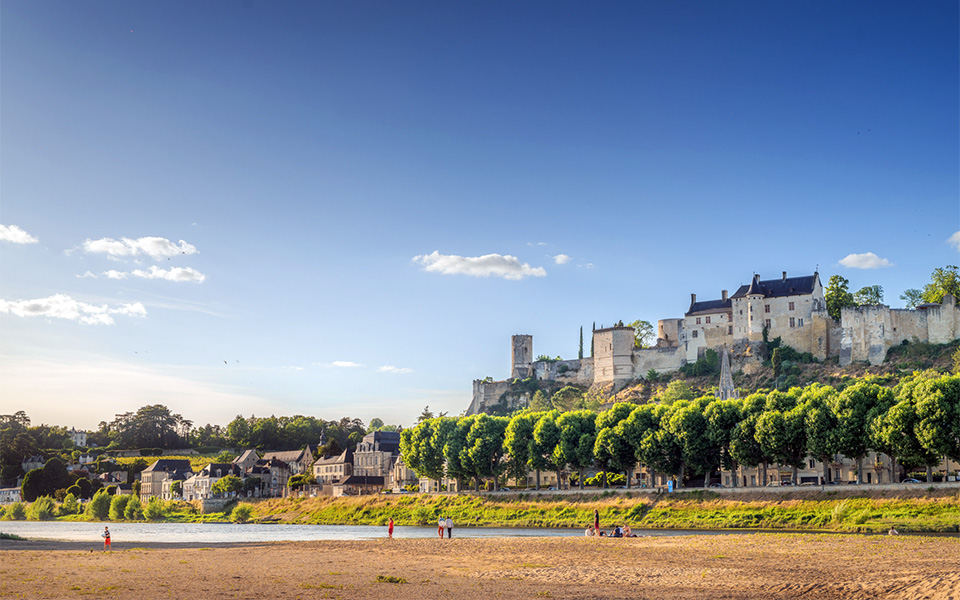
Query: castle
{"points": [[791, 308]]}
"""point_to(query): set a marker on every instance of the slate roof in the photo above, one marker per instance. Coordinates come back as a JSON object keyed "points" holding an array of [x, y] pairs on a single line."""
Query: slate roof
{"points": [[288, 456], [380, 441], [225, 469], [362, 480], [344, 457], [778, 288], [170, 464], [243, 457], [710, 306]]}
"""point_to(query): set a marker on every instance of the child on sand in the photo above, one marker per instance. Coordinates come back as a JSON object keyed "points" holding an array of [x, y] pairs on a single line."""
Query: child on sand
{"points": [[106, 538], [443, 525]]}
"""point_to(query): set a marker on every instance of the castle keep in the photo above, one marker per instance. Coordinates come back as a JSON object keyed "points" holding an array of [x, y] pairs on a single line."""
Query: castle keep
{"points": [[792, 308]]}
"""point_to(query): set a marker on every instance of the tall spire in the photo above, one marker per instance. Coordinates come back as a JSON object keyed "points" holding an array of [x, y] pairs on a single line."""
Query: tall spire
{"points": [[726, 391]]}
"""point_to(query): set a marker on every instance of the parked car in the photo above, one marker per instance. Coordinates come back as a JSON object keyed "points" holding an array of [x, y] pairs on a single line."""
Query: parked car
{"points": [[910, 480], [717, 485]]}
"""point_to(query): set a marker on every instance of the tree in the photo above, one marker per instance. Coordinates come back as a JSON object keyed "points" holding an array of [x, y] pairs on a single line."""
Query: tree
{"points": [[777, 361], [896, 430], [484, 447], [837, 296], [426, 414], [577, 438], [912, 297], [518, 443], [938, 415], [546, 437], [70, 505], [870, 295], [567, 398], [852, 408], [98, 508], [580, 351], [376, 424], [942, 282], [690, 429], [641, 424], [176, 488], [674, 392], [591, 338], [820, 424], [643, 333], [611, 448], [539, 402], [723, 416], [227, 485], [118, 506]]}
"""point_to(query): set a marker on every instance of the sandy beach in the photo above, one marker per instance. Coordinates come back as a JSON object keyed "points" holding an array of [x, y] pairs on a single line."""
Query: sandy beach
{"points": [[692, 567]]}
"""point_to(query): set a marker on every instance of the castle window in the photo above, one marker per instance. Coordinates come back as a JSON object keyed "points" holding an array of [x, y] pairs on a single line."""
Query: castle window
{"points": [[793, 322], [708, 319], [766, 323], [698, 320], [800, 324], [730, 330], [766, 308], [791, 306], [694, 333]]}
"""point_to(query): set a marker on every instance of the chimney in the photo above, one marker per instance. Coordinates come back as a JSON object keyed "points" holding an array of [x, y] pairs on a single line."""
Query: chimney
{"points": [[693, 299], [723, 295], [784, 275]]}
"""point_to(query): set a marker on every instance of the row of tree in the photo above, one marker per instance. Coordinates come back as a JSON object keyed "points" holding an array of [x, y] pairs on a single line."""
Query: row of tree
{"points": [[916, 423]]}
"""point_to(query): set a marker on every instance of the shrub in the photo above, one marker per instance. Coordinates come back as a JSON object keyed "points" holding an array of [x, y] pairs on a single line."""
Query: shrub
{"points": [[70, 505], [153, 509], [134, 510], [16, 512], [98, 508], [242, 513], [75, 491], [111, 490], [117, 507], [42, 509]]}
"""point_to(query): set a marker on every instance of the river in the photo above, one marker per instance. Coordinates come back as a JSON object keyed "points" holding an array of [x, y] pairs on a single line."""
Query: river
{"points": [[214, 533]]}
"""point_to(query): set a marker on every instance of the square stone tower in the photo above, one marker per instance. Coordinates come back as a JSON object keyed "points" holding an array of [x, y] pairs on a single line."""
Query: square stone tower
{"points": [[521, 356]]}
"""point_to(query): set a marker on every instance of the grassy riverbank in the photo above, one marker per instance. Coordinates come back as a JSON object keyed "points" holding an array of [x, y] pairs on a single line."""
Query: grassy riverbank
{"points": [[825, 511], [928, 510]]}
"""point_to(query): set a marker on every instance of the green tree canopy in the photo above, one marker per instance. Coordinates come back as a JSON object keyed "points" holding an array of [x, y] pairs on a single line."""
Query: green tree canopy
{"points": [[838, 296], [644, 335]]}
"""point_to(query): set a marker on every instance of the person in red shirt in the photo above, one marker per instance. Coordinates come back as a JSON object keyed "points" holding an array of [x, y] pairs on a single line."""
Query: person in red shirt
{"points": [[390, 527]]}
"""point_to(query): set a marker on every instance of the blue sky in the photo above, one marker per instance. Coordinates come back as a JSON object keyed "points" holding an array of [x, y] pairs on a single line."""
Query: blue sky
{"points": [[280, 208]]}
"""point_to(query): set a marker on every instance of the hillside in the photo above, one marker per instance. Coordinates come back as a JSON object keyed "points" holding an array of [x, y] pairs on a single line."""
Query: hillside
{"points": [[901, 360]]}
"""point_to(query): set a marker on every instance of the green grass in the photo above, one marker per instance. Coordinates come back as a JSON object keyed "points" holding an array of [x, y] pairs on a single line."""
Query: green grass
{"points": [[10, 536]]}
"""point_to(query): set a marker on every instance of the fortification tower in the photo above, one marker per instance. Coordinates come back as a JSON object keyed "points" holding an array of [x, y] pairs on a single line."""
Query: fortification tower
{"points": [[521, 356], [613, 354]]}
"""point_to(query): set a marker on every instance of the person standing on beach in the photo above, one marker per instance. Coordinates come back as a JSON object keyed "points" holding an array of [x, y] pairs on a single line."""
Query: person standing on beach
{"points": [[596, 520], [106, 539], [449, 524], [390, 528], [442, 523]]}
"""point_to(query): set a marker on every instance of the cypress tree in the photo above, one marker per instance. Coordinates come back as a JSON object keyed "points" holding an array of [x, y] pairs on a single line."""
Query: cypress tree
{"points": [[591, 339], [580, 353]]}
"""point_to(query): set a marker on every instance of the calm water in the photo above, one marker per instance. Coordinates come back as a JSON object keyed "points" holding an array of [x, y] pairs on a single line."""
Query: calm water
{"points": [[228, 532]]}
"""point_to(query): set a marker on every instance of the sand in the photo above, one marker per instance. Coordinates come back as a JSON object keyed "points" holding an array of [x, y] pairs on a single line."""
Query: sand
{"points": [[750, 566]]}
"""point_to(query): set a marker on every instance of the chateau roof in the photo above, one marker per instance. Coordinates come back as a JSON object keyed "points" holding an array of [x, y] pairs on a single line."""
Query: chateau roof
{"points": [[709, 306], [778, 288], [344, 457]]}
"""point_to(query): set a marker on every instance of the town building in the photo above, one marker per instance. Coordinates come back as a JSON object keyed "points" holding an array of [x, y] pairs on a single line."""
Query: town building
{"points": [[376, 454], [79, 438], [152, 478]]}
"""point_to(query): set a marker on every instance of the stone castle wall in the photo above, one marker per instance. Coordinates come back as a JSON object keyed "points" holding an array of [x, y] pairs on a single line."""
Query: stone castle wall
{"points": [[868, 332]]}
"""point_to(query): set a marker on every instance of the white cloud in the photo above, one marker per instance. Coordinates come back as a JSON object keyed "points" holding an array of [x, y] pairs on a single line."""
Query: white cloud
{"points": [[393, 369], [154, 247], [867, 260], [561, 259], [346, 364], [171, 274], [497, 265], [954, 240], [61, 306], [111, 274], [15, 235]]}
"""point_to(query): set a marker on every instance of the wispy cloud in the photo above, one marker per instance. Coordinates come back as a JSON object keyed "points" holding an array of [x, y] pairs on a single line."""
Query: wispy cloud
{"points": [[111, 274], [154, 247], [537, 244], [495, 265], [61, 306], [15, 235], [561, 259], [393, 369], [171, 274], [345, 364], [867, 260], [954, 240]]}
